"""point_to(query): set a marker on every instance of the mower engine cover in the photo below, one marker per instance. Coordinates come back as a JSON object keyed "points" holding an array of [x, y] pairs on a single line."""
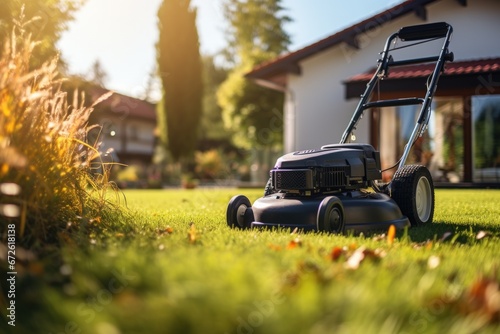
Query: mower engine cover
{"points": [[335, 167]]}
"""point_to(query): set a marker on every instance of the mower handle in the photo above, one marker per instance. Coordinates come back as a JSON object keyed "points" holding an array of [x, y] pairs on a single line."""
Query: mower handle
{"points": [[424, 31]]}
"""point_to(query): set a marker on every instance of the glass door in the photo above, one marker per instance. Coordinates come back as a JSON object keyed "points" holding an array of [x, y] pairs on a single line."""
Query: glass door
{"points": [[486, 137]]}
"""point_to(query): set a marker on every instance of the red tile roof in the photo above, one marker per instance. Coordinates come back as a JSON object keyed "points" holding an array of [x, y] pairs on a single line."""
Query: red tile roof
{"points": [[477, 66], [124, 106]]}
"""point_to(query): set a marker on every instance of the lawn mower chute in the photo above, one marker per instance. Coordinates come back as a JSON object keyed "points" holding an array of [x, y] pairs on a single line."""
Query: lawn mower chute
{"points": [[338, 187]]}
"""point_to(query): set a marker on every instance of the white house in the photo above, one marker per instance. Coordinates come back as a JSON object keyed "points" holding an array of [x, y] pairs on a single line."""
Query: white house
{"points": [[322, 83]]}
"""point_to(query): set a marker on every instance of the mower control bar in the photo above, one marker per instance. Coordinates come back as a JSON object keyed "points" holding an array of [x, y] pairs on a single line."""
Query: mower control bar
{"points": [[448, 57], [393, 103]]}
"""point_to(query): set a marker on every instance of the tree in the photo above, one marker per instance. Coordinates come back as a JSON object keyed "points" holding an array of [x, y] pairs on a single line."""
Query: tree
{"points": [[212, 127], [46, 20], [255, 34], [97, 75], [180, 68]]}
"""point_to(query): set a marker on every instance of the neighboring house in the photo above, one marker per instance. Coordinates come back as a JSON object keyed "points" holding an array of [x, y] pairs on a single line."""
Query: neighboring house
{"points": [[322, 83], [127, 127]]}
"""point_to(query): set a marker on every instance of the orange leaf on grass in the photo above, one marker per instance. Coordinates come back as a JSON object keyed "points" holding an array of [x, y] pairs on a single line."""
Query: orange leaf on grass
{"points": [[391, 234], [192, 234], [361, 254], [336, 253], [294, 243], [166, 230], [482, 298]]}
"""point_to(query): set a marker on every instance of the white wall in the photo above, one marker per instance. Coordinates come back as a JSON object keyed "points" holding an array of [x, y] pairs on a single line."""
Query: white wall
{"points": [[317, 112], [143, 139], [321, 110]]}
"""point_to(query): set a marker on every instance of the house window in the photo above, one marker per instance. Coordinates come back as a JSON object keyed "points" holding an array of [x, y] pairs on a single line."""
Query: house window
{"points": [[134, 133], [486, 137], [446, 140], [441, 147]]}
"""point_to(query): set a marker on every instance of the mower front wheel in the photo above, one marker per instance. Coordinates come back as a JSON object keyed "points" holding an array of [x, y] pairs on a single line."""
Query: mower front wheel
{"points": [[237, 215], [413, 190], [330, 217]]}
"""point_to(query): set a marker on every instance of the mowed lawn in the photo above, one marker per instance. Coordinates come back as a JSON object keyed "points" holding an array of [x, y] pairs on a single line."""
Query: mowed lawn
{"points": [[173, 266]]}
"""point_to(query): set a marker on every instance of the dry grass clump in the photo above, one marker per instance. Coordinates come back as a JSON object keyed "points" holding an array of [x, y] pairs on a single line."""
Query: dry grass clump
{"points": [[45, 162]]}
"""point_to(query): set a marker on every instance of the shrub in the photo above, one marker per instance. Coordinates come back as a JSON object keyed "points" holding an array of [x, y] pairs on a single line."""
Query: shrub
{"points": [[43, 150], [209, 164]]}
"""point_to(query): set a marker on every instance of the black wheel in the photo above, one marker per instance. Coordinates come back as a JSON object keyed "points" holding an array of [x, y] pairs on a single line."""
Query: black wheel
{"points": [[330, 216], [236, 214], [413, 190]]}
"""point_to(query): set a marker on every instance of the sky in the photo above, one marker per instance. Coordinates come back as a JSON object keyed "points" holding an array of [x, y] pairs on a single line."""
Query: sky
{"points": [[121, 34]]}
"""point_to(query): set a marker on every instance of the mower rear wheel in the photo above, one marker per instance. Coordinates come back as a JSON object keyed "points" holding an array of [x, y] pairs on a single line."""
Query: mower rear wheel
{"points": [[236, 213], [413, 190], [330, 217]]}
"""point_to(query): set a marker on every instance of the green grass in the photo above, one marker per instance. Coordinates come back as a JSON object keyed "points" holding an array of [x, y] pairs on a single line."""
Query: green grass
{"points": [[173, 266]]}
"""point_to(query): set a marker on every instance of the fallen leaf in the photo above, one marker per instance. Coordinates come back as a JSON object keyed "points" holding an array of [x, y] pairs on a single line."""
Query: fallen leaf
{"points": [[336, 253], [445, 236], [379, 237], [167, 230], [482, 234], [294, 243], [483, 297], [356, 258], [361, 254], [192, 234], [433, 262], [391, 234], [426, 244]]}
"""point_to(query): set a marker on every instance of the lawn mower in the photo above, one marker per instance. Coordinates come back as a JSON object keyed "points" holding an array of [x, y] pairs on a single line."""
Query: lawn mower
{"points": [[338, 187]]}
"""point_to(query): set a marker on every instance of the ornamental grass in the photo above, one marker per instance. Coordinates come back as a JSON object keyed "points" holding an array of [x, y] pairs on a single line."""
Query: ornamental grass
{"points": [[52, 180]]}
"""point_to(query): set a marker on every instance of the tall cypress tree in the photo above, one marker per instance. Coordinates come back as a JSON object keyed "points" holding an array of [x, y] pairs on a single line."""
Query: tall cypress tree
{"points": [[256, 33], [180, 70]]}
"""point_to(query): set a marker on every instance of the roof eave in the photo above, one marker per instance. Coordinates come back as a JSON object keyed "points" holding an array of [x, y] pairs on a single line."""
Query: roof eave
{"points": [[289, 63]]}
